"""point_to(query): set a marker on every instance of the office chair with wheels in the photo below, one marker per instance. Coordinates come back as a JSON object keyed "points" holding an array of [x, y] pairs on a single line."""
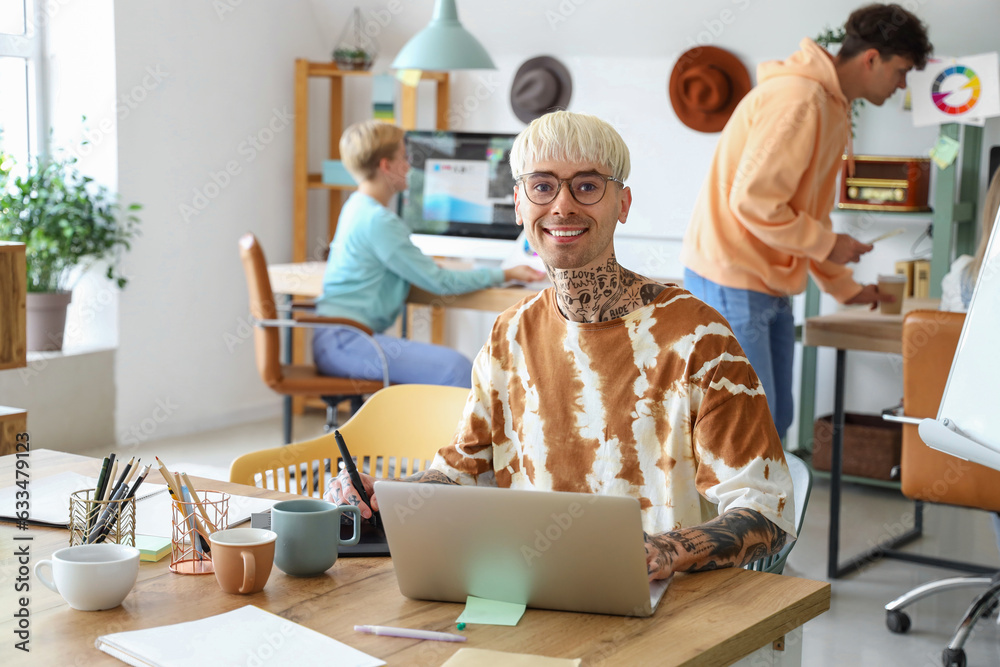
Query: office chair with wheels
{"points": [[395, 434], [297, 379], [801, 489], [930, 338]]}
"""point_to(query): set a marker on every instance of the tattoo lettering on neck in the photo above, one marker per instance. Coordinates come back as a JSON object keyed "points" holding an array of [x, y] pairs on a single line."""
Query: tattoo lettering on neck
{"points": [[602, 294]]}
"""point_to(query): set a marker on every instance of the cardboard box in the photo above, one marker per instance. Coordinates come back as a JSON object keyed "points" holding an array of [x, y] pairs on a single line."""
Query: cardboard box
{"points": [[921, 278], [905, 268]]}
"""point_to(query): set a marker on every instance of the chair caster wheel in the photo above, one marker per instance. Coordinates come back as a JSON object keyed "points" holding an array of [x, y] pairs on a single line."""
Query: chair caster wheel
{"points": [[897, 621], [953, 657]]}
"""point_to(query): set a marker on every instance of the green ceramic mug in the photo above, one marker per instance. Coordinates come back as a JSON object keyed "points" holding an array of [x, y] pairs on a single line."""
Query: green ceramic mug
{"points": [[309, 535]]}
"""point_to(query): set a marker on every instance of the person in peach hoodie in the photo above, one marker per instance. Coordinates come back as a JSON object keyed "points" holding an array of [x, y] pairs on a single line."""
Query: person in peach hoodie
{"points": [[761, 223]]}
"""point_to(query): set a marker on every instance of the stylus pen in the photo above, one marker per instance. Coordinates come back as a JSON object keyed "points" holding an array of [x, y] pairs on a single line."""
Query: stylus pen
{"points": [[352, 470], [409, 633]]}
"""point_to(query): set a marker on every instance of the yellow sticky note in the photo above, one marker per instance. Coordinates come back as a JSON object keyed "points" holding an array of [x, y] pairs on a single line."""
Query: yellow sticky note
{"points": [[409, 77], [479, 657]]}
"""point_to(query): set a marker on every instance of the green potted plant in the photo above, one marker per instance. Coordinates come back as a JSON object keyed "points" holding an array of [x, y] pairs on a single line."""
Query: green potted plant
{"points": [[355, 50], [353, 59], [67, 223]]}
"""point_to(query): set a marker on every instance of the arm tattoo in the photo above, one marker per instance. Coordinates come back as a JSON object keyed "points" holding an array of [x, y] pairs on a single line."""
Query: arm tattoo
{"points": [[431, 477], [736, 538]]}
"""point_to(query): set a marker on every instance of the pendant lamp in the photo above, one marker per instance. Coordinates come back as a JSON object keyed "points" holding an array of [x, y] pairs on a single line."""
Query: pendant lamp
{"points": [[443, 45]]}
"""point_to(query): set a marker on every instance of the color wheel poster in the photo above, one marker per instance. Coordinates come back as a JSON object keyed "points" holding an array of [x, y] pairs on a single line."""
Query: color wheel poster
{"points": [[956, 90]]}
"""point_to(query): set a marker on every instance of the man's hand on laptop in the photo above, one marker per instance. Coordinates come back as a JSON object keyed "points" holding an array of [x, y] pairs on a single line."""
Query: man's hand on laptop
{"points": [[733, 539], [341, 491], [660, 553]]}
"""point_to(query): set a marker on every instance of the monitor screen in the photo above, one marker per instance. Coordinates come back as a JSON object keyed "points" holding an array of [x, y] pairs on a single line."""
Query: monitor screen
{"points": [[460, 185]]}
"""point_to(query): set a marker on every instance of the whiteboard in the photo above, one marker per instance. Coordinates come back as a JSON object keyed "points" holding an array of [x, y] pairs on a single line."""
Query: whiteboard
{"points": [[970, 406]]}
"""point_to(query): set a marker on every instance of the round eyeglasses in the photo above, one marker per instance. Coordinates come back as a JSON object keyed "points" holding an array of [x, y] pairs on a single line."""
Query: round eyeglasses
{"points": [[587, 188]]}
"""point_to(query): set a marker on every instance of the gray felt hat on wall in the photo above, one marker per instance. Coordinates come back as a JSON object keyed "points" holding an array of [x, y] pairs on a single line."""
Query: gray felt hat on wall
{"points": [[541, 85]]}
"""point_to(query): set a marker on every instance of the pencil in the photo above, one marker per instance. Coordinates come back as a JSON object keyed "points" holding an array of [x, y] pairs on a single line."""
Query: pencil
{"points": [[200, 537], [104, 523], [98, 491], [197, 501], [169, 478], [132, 472], [125, 473], [108, 487]]}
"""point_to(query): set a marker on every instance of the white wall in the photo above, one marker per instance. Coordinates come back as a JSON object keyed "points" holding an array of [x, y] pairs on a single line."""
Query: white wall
{"points": [[206, 147], [219, 79]]}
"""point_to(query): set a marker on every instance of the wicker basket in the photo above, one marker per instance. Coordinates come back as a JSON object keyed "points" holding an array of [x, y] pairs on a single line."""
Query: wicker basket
{"points": [[871, 445]]}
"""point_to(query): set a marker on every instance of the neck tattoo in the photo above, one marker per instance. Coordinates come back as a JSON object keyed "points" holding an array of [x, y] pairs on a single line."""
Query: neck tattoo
{"points": [[603, 293]]}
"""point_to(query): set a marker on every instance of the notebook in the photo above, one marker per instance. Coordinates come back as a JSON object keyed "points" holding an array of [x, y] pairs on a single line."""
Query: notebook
{"points": [[565, 551], [50, 503], [244, 636]]}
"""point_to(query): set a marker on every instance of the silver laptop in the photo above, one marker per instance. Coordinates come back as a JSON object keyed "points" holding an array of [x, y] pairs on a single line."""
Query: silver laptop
{"points": [[565, 551]]}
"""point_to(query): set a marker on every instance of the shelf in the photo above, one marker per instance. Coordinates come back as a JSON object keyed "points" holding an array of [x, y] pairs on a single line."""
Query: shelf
{"points": [[892, 210], [303, 181], [315, 182]]}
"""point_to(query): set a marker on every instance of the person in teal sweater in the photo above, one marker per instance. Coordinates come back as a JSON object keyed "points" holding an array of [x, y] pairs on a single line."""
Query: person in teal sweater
{"points": [[372, 264]]}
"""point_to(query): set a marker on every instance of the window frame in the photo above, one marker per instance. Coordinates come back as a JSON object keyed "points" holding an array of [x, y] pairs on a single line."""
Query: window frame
{"points": [[31, 46]]}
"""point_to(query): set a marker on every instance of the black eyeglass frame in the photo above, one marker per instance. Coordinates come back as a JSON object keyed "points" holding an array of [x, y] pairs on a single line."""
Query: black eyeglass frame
{"points": [[568, 181]]}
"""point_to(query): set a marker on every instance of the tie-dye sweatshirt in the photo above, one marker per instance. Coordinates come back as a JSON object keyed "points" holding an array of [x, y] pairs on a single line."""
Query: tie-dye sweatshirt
{"points": [[661, 405]]}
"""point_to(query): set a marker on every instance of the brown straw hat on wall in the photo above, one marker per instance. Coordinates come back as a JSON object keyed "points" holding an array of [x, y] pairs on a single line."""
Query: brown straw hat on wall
{"points": [[705, 86]]}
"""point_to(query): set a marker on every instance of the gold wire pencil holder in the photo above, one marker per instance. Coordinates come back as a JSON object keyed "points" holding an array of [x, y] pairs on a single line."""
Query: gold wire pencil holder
{"points": [[92, 520], [191, 526]]}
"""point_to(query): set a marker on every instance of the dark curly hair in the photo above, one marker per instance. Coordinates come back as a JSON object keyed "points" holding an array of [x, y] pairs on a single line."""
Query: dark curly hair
{"points": [[889, 28]]}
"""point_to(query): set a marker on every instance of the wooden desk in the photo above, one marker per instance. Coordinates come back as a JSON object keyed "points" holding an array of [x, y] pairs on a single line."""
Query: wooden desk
{"points": [[305, 279], [866, 330], [714, 618]]}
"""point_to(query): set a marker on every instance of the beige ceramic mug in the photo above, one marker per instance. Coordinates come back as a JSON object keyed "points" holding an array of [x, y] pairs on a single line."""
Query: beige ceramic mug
{"points": [[242, 558]]}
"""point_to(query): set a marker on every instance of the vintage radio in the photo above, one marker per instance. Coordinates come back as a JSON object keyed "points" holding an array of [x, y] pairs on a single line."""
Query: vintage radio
{"points": [[885, 183]]}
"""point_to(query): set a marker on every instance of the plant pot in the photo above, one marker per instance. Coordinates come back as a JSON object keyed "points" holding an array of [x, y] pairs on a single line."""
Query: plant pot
{"points": [[354, 64], [47, 320]]}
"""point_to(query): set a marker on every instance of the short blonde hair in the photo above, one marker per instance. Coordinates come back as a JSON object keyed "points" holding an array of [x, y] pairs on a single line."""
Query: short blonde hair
{"points": [[364, 144], [571, 137]]}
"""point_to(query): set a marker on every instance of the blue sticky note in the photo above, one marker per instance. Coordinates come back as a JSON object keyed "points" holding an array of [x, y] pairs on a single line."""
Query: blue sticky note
{"points": [[335, 173], [490, 612]]}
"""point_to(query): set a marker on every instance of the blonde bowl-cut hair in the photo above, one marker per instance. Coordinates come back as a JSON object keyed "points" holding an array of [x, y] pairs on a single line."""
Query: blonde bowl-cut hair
{"points": [[363, 146], [570, 137]]}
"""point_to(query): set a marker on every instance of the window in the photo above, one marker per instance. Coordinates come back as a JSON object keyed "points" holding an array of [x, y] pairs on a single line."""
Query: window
{"points": [[20, 61]]}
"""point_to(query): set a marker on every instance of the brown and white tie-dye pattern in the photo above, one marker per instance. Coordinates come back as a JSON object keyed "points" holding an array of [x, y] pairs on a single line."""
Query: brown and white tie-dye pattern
{"points": [[661, 405]]}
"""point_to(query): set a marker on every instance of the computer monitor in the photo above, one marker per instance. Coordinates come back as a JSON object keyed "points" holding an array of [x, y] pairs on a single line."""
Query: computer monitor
{"points": [[460, 184]]}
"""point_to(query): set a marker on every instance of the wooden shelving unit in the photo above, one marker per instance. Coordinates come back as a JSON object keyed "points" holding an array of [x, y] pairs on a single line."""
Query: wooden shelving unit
{"points": [[304, 180], [13, 334], [954, 223]]}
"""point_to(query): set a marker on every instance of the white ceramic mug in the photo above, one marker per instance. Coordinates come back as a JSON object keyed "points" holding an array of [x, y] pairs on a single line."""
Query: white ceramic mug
{"points": [[91, 577]]}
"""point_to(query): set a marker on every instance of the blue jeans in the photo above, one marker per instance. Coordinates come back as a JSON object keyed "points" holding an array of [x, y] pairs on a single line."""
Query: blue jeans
{"points": [[765, 328], [345, 353]]}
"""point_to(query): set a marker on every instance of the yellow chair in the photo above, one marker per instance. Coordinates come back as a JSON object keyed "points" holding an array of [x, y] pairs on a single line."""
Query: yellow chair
{"points": [[394, 434]]}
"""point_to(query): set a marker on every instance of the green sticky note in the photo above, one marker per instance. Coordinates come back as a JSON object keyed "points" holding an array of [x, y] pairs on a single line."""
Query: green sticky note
{"points": [[491, 612], [945, 151]]}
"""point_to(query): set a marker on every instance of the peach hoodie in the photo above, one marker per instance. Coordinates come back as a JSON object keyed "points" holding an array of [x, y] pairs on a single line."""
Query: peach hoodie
{"points": [[762, 219]]}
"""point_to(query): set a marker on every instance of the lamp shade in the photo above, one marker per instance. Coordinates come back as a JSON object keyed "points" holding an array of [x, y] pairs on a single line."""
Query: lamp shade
{"points": [[443, 45]]}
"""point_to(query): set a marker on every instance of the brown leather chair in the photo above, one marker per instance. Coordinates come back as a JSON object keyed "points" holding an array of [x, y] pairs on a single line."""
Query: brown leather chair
{"points": [[296, 379], [930, 338]]}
